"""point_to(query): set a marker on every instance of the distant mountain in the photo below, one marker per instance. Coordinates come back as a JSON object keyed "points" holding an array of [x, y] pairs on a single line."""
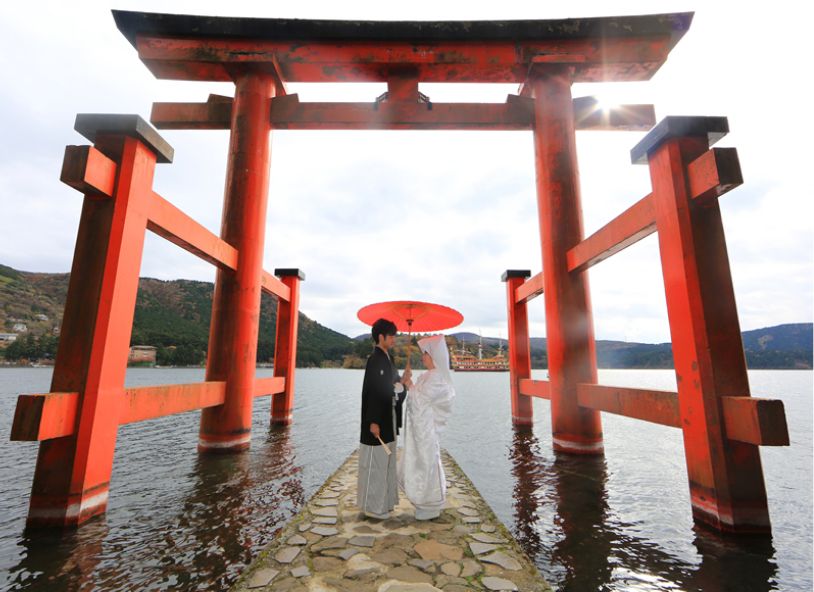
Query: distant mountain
{"points": [[621, 354], [784, 338], [174, 317], [170, 315], [782, 346]]}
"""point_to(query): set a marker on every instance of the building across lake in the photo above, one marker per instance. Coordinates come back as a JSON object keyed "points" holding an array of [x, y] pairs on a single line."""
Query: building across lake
{"points": [[142, 355], [462, 360]]}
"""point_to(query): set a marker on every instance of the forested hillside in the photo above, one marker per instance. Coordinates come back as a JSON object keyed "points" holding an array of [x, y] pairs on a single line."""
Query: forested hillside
{"points": [[170, 315], [174, 317]]}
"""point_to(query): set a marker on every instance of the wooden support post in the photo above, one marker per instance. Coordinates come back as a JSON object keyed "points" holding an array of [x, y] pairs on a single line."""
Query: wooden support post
{"points": [[285, 344], [236, 301], [725, 476], [72, 476], [403, 86], [519, 347], [569, 325]]}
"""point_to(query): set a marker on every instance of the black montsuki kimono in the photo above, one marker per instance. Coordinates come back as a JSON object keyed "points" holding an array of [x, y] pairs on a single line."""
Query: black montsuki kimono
{"points": [[378, 394]]}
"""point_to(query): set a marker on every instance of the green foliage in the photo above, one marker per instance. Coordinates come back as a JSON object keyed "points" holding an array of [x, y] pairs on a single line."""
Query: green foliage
{"points": [[319, 346], [30, 347], [182, 355], [174, 316], [8, 273], [796, 359], [612, 354], [539, 359]]}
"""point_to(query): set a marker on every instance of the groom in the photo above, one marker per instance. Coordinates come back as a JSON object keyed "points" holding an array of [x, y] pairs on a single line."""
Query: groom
{"points": [[382, 397]]}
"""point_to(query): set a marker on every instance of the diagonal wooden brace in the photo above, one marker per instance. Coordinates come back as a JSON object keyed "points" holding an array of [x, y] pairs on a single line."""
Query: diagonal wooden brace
{"points": [[711, 175]]}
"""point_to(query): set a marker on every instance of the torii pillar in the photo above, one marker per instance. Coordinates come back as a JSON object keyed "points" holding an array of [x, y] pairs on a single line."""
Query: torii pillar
{"points": [[232, 353], [569, 323]]}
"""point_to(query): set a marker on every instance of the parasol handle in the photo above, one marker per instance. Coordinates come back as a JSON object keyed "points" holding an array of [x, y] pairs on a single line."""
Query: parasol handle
{"points": [[409, 342]]}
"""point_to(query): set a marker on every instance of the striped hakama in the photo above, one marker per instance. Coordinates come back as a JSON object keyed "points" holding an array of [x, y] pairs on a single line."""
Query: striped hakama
{"points": [[377, 482]]}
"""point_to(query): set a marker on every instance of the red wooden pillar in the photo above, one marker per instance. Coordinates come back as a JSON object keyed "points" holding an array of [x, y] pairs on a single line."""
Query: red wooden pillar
{"points": [[72, 476], [285, 344], [519, 347], [569, 325], [236, 302], [726, 479]]}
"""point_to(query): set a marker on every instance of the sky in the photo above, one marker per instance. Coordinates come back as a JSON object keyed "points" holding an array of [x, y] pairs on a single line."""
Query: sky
{"points": [[432, 216]]}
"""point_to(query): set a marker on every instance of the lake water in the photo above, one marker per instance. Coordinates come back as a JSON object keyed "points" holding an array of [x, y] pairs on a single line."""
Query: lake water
{"points": [[180, 521]]}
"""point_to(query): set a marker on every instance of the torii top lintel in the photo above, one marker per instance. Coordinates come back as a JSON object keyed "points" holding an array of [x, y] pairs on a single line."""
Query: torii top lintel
{"points": [[186, 47]]}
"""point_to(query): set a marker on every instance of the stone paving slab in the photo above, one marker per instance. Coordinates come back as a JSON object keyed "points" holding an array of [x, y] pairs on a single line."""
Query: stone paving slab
{"points": [[466, 548]]}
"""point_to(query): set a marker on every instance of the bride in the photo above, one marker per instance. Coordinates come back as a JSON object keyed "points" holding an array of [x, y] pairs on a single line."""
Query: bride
{"points": [[429, 405]]}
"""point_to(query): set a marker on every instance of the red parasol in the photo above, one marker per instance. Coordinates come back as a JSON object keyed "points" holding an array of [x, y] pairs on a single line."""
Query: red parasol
{"points": [[410, 315]]}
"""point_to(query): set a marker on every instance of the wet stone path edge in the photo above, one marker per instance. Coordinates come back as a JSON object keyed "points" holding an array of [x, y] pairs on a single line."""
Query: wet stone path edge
{"points": [[331, 547]]}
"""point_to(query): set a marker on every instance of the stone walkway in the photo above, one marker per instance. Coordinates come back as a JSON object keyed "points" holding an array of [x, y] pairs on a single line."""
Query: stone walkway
{"points": [[331, 547]]}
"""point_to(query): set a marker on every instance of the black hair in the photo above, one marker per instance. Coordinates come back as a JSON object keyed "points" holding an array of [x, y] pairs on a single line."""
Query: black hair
{"points": [[382, 327]]}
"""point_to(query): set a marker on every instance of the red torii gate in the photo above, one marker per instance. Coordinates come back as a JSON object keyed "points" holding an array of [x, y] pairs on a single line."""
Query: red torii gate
{"points": [[77, 422]]}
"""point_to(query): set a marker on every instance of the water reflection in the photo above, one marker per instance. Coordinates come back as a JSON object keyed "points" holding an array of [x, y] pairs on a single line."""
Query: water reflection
{"points": [[281, 460], [212, 519], [734, 562], [236, 506], [585, 542], [197, 529], [529, 471], [59, 560], [564, 502]]}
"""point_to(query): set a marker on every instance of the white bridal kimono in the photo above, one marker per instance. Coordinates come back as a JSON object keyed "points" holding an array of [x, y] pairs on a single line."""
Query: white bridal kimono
{"points": [[429, 405]]}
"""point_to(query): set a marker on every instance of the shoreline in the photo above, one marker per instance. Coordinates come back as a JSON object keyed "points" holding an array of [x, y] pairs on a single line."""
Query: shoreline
{"points": [[50, 364]]}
